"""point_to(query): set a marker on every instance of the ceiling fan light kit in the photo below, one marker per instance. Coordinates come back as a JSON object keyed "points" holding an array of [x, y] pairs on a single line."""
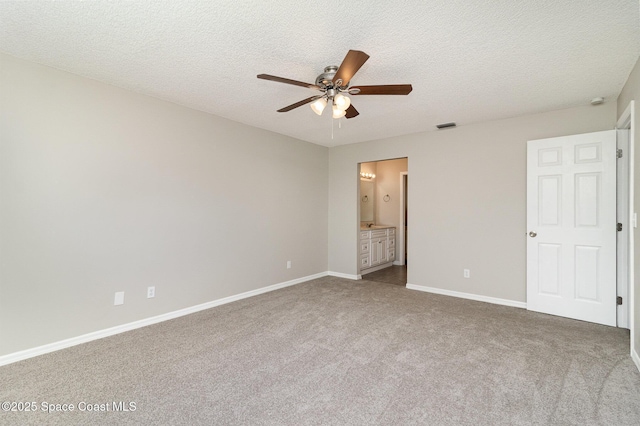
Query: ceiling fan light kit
{"points": [[338, 113], [319, 105], [341, 101], [334, 84]]}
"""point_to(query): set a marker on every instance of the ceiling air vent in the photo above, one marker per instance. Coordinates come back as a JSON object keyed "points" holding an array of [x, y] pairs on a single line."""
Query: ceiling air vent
{"points": [[446, 125]]}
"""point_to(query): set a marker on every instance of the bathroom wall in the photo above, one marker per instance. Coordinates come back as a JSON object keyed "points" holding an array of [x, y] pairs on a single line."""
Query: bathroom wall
{"points": [[368, 204], [388, 180]]}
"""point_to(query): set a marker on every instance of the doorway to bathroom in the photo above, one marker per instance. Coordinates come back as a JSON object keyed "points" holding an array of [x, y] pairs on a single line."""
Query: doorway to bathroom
{"points": [[382, 210]]}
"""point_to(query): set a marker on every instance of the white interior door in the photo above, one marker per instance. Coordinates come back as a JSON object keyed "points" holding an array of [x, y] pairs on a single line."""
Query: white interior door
{"points": [[571, 225]]}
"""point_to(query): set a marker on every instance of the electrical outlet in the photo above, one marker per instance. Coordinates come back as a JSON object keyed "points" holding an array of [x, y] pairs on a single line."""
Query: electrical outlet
{"points": [[151, 292], [466, 273], [288, 264], [119, 298]]}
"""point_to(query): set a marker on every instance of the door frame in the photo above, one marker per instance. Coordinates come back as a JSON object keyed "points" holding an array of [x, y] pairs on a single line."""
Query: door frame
{"points": [[626, 121], [623, 216], [402, 223]]}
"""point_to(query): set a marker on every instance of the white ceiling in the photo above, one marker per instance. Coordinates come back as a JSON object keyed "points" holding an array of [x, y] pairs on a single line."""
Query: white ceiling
{"points": [[468, 61]]}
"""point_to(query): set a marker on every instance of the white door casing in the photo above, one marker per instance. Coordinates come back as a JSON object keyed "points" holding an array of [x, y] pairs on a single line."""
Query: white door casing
{"points": [[571, 225], [626, 121], [622, 217], [401, 235]]}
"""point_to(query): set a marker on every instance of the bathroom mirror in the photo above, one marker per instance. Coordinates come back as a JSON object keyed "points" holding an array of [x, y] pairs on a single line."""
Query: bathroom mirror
{"points": [[366, 201]]}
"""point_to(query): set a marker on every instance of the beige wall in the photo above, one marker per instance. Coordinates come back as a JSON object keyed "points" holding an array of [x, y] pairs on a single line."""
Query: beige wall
{"points": [[631, 92], [105, 190], [467, 195]]}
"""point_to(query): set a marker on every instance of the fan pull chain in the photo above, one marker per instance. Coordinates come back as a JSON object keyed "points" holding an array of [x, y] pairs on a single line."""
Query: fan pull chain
{"points": [[332, 129]]}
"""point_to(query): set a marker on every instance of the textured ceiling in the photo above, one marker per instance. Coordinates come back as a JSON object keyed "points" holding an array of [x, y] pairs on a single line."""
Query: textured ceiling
{"points": [[468, 61]]}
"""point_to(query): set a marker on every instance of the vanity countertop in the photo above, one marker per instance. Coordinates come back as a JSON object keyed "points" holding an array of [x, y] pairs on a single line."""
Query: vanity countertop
{"points": [[368, 228]]}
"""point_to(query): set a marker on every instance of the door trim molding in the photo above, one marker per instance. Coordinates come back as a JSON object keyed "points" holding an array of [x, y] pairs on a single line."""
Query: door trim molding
{"points": [[627, 120], [401, 226], [623, 216]]}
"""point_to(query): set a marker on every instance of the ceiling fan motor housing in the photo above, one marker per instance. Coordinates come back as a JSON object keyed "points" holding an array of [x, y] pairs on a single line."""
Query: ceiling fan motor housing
{"points": [[325, 79]]}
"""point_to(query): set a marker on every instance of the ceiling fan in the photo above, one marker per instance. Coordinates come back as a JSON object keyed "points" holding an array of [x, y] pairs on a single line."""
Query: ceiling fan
{"points": [[334, 84]]}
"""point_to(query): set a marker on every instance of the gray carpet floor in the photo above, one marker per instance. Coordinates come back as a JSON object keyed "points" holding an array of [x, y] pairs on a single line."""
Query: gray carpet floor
{"points": [[339, 352]]}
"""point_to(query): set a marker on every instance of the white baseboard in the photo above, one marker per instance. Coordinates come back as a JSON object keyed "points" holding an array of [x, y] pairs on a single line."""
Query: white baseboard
{"points": [[470, 296], [347, 276], [398, 263], [62, 344], [635, 358]]}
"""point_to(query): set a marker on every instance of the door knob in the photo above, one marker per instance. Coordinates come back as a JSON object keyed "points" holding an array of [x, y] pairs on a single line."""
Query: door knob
{"points": [[532, 234]]}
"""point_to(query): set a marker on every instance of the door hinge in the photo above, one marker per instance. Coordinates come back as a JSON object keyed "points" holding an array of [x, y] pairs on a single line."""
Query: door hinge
{"points": [[619, 227], [619, 300], [619, 153]]}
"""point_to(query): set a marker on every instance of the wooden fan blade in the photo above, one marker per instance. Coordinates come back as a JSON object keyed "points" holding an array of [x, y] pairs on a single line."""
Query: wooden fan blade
{"points": [[287, 81], [351, 112], [350, 65], [297, 104], [384, 89]]}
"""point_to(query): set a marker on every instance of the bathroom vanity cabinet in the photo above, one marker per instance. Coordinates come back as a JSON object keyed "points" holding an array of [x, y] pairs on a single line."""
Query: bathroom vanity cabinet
{"points": [[377, 248]]}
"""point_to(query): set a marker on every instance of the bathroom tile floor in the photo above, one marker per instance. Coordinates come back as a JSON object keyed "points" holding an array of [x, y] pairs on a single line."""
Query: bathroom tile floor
{"points": [[396, 275]]}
